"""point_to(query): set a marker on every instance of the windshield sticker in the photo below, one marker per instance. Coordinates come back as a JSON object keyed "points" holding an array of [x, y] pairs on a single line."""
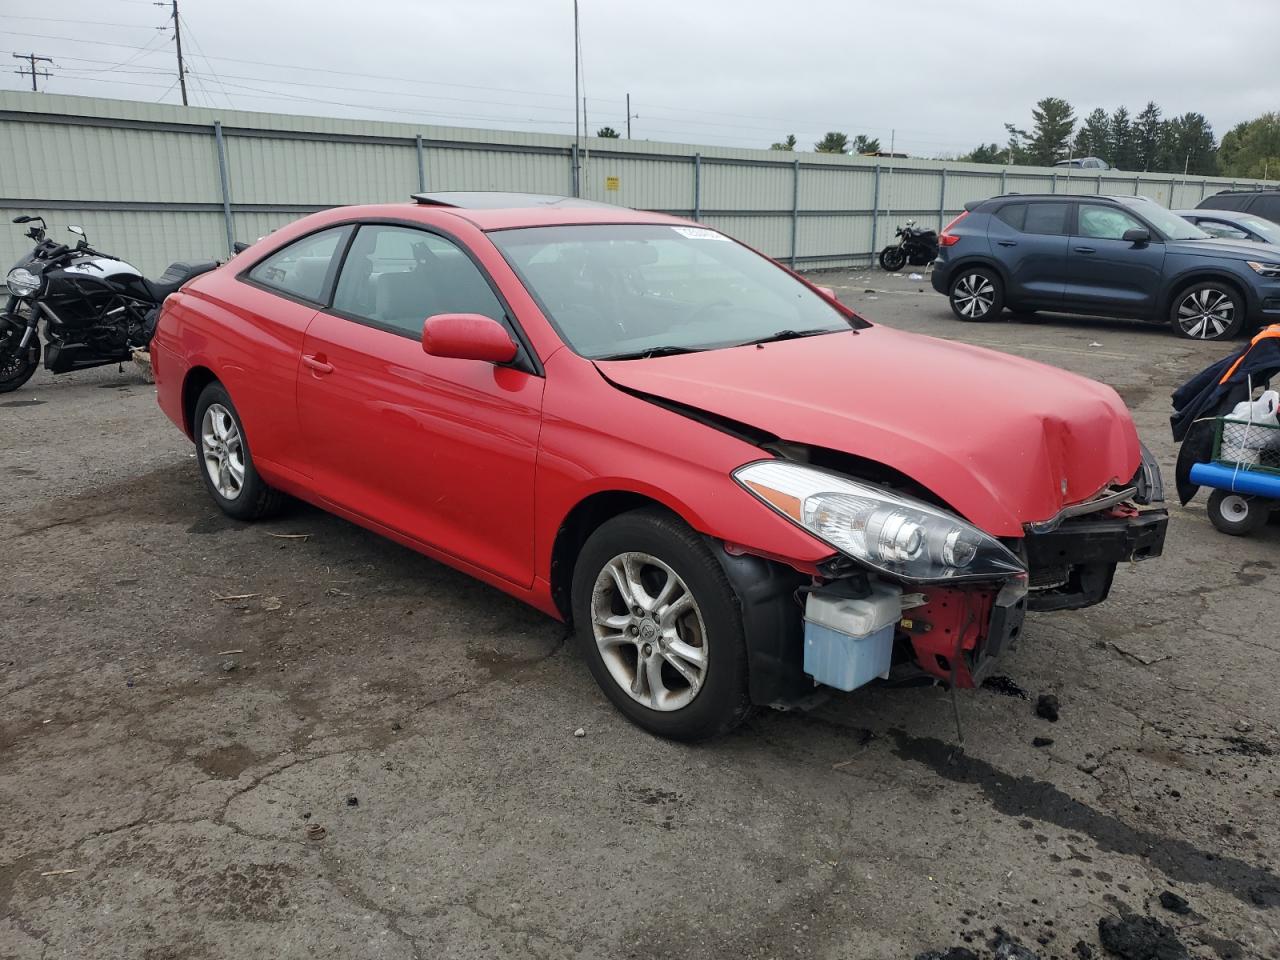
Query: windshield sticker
{"points": [[699, 233]]}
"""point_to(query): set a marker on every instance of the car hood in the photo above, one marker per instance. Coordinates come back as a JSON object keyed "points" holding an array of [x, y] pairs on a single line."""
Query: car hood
{"points": [[1004, 441], [1234, 249]]}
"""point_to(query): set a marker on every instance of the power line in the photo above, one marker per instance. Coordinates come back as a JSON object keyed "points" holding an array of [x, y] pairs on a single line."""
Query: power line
{"points": [[32, 71]]}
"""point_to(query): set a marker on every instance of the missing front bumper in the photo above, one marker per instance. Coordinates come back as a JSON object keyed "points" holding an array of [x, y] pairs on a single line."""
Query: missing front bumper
{"points": [[1072, 566]]}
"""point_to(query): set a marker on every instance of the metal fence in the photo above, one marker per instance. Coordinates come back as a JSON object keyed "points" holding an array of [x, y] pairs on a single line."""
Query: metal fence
{"points": [[155, 183]]}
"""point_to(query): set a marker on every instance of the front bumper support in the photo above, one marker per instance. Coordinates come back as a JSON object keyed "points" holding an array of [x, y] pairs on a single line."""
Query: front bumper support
{"points": [[1072, 566]]}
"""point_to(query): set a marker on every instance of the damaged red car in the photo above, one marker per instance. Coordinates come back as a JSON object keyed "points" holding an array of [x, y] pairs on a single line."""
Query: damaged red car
{"points": [[736, 488]]}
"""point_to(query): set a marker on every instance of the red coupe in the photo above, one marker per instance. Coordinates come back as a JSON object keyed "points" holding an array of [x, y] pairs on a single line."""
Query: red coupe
{"points": [[736, 488]]}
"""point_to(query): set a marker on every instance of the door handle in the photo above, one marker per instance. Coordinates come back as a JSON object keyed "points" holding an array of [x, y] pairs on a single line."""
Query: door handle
{"points": [[1007, 243], [1085, 250], [316, 364]]}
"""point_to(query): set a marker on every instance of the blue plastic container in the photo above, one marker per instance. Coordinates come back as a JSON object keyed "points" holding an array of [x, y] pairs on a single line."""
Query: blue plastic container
{"points": [[844, 662]]}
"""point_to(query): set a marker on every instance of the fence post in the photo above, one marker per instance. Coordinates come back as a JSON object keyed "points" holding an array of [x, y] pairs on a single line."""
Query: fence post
{"points": [[942, 200], [1136, 177], [697, 186], [1055, 183], [422, 166], [795, 207], [1204, 185], [574, 171], [226, 187], [1004, 180], [875, 213], [1099, 190]]}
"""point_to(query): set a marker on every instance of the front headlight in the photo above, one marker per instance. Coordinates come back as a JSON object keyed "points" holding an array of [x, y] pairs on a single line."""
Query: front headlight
{"points": [[1269, 270], [895, 534], [22, 282]]}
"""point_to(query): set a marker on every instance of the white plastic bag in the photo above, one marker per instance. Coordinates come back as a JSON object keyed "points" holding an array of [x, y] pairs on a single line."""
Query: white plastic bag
{"points": [[1262, 410]]}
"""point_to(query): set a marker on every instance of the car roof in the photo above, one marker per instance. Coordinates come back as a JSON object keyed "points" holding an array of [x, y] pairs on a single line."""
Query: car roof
{"points": [[499, 210], [1221, 214]]}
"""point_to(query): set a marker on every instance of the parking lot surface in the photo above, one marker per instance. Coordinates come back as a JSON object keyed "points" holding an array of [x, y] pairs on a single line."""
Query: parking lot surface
{"points": [[297, 739]]}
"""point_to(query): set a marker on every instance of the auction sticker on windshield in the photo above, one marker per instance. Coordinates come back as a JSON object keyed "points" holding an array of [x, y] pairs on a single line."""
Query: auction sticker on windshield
{"points": [[699, 233]]}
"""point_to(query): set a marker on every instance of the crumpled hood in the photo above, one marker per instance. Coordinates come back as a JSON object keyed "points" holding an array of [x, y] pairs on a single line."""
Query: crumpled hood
{"points": [[1004, 441]]}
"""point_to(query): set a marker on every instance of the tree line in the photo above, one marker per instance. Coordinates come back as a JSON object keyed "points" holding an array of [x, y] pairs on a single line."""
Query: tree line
{"points": [[1146, 141]]}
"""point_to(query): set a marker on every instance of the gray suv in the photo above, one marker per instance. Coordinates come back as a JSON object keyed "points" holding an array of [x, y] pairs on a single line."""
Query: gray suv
{"points": [[1104, 256]]}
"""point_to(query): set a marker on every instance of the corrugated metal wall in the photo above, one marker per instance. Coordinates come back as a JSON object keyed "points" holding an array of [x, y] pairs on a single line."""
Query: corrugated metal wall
{"points": [[146, 180]]}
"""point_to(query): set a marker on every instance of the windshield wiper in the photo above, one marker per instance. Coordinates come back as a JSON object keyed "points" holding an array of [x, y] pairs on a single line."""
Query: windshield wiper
{"points": [[789, 335], [668, 350]]}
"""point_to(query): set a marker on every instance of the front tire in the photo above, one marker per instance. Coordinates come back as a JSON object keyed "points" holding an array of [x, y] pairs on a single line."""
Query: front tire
{"points": [[1207, 311], [1237, 515], [893, 259], [658, 624], [976, 295], [226, 465], [17, 365]]}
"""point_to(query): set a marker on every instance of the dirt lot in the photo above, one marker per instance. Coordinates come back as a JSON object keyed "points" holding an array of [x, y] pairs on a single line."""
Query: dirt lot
{"points": [[165, 748]]}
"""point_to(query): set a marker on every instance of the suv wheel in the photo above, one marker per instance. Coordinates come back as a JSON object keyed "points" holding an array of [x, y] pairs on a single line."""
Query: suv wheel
{"points": [[976, 295], [1207, 311]]}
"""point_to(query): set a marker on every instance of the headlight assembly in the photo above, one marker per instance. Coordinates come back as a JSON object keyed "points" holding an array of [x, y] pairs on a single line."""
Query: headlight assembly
{"points": [[1269, 270], [895, 534], [22, 282]]}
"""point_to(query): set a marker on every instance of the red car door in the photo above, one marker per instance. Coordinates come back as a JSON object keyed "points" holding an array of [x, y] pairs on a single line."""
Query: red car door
{"points": [[441, 450]]}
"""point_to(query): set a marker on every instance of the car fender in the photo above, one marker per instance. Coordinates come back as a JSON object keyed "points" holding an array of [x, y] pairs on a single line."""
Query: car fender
{"points": [[1200, 273], [980, 260]]}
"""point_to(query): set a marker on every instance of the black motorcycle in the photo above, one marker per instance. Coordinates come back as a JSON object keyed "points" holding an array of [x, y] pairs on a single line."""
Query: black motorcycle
{"points": [[915, 245], [96, 308]]}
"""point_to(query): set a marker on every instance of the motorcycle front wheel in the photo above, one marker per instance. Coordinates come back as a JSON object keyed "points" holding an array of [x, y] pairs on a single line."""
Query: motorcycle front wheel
{"points": [[893, 259], [17, 364]]}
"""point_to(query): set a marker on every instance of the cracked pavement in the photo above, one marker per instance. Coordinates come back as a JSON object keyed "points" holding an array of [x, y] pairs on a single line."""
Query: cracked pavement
{"points": [[163, 751]]}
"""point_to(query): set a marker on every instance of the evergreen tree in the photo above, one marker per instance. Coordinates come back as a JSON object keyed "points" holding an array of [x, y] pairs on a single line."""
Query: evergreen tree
{"points": [[787, 144], [984, 153], [1120, 146], [833, 142], [1053, 121], [1187, 144], [1094, 136], [864, 144], [1146, 137]]}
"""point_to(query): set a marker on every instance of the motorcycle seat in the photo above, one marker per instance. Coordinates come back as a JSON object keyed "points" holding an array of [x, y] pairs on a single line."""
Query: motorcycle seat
{"points": [[176, 275]]}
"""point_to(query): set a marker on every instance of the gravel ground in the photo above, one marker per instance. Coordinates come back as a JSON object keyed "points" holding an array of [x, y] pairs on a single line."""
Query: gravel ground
{"points": [[168, 752]]}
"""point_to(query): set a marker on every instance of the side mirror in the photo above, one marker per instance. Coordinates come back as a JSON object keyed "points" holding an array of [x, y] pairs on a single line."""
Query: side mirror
{"points": [[23, 219], [1137, 236], [827, 292], [239, 247], [467, 336], [78, 231]]}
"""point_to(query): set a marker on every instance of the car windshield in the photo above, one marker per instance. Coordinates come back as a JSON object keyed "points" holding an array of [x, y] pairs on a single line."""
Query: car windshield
{"points": [[1263, 228], [623, 291], [1170, 224]]}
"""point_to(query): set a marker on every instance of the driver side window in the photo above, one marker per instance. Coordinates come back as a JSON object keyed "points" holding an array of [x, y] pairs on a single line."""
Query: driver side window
{"points": [[1106, 223]]}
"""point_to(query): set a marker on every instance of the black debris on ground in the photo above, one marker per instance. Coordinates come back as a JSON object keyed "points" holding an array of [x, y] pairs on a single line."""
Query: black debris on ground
{"points": [[1140, 938], [353, 801], [1247, 747], [1174, 903], [1047, 707], [1006, 947], [1005, 687], [1042, 742], [1082, 950], [955, 953]]}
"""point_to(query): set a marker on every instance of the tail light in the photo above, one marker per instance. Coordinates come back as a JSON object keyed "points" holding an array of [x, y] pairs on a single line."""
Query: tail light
{"points": [[947, 238]]}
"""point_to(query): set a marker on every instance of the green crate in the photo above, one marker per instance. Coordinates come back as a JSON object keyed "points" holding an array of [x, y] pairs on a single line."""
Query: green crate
{"points": [[1250, 446]]}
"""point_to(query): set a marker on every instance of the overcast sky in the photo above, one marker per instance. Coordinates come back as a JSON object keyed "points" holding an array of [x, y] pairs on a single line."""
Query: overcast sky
{"points": [[944, 74]]}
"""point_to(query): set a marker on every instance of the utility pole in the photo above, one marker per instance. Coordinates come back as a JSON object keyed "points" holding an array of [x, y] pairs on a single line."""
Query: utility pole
{"points": [[629, 117], [577, 125], [177, 40], [33, 59]]}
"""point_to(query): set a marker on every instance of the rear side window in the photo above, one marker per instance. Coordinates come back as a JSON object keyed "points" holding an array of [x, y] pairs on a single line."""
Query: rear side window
{"points": [[1046, 218], [395, 277], [1226, 201], [1267, 205], [303, 269], [1014, 214]]}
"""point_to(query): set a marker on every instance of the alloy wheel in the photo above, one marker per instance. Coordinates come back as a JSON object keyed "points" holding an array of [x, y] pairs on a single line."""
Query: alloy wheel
{"points": [[223, 450], [649, 631], [974, 294], [1206, 314]]}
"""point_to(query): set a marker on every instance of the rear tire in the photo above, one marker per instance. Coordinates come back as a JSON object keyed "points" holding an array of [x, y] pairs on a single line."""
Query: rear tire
{"points": [[1238, 515], [1207, 311], [226, 465], [976, 295], [16, 369], [678, 668], [893, 259]]}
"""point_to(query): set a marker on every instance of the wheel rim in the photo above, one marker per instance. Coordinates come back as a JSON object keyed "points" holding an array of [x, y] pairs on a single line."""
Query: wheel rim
{"points": [[13, 359], [1235, 508], [223, 450], [895, 259], [649, 631], [974, 295], [1206, 314]]}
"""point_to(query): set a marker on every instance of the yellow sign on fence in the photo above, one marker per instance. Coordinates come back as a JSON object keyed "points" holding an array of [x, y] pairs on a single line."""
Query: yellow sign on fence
{"points": [[611, 183]]}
